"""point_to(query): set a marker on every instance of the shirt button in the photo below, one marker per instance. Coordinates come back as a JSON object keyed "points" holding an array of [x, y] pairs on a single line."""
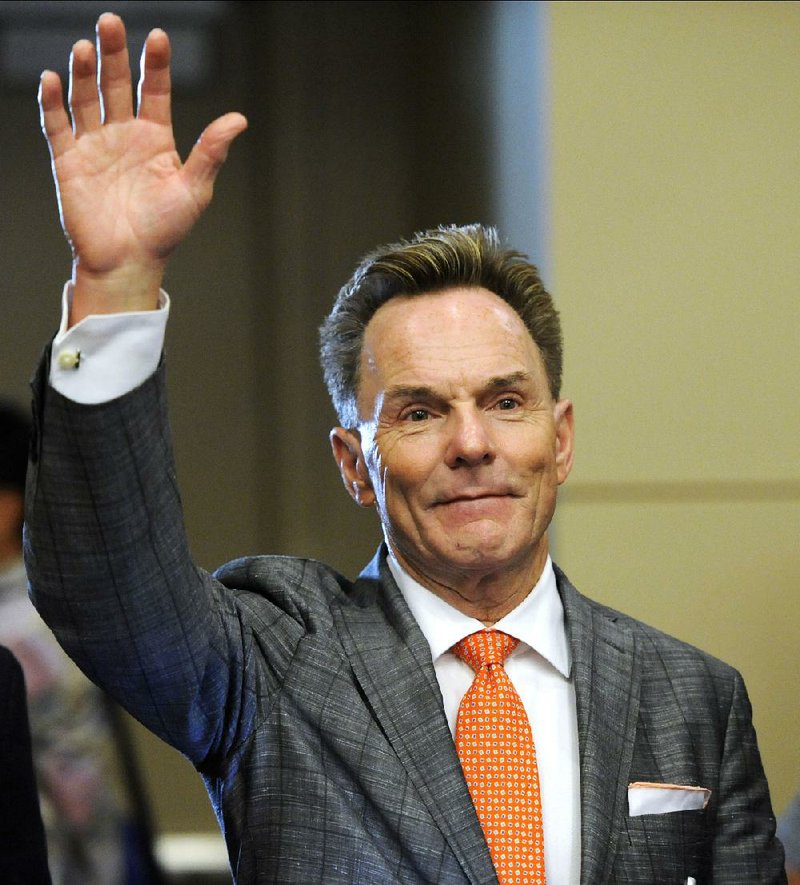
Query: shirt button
{"points": [[69, 359]]}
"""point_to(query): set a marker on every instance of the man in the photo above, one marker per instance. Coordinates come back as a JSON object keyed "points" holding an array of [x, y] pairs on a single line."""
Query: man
{"points": [[23, 854], [322, 712]]}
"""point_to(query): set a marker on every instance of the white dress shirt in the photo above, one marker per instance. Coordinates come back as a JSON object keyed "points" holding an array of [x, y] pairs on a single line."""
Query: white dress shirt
{"points": [[539, 668], [105, 356]]}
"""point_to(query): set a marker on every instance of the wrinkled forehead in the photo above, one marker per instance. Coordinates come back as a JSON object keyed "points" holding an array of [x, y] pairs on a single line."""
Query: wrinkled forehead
{"points": [[457, 336], [427, 315]]}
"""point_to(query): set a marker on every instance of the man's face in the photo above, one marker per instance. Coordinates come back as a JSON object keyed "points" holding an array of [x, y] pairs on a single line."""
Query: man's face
{"points": [[460, 444]]}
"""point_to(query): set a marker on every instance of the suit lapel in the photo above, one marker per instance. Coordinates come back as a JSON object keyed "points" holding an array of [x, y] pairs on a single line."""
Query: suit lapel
{"points": [[391, 660], [607, 697], [388, 654]]}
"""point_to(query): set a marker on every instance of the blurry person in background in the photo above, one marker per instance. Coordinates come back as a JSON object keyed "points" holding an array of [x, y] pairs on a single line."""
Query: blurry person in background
{"points": [[789, 834], [23, 853], [73, 737]]}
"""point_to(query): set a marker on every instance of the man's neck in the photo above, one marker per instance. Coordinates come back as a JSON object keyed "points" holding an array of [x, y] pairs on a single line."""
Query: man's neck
{"points": [[487, 597]]}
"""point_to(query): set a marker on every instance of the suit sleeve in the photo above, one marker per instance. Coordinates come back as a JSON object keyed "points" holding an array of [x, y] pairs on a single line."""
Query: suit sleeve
{"points": [[111, 573], [745, 846]]}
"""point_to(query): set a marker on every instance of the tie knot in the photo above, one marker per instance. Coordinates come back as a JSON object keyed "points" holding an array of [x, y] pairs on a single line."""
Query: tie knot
{"points": [[485, 647]]}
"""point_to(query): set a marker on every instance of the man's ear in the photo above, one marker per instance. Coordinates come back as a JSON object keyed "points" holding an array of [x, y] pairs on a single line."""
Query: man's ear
{"points": [[349, 456], [565, 438]]}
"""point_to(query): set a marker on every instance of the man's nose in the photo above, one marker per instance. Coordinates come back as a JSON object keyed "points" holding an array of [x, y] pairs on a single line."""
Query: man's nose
{"points": [[469, 442]]}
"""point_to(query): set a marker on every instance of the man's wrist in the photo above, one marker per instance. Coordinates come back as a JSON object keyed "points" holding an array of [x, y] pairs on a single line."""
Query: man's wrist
{"points": [[132, 287]]}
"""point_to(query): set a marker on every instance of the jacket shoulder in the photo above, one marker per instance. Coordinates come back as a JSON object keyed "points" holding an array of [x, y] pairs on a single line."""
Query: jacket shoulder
{"points": [[305, 589], [656, 647]]}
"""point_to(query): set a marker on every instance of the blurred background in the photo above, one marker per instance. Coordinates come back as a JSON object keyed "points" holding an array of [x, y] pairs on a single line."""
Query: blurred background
{"points": [[645, 155]]}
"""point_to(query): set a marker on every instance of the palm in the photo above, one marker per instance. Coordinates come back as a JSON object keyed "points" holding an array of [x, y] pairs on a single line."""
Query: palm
{"points": [[125, 198], [122, 194]]}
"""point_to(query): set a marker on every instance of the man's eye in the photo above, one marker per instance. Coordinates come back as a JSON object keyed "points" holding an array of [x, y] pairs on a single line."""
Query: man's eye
{"points": [[417, 415], [507, 403]]}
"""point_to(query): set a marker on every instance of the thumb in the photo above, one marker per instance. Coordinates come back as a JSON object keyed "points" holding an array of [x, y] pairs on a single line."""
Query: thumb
{"points": [[211, 150]]}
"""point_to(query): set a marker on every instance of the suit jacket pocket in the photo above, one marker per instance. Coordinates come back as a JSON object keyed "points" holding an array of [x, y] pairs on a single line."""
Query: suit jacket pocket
{"points": [[663, 848]]}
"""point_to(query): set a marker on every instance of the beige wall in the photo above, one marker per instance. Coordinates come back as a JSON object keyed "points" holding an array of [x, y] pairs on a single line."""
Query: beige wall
{"points": [[676, 264]]}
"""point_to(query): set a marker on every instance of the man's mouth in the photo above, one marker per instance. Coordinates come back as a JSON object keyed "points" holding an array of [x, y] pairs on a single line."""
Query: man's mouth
{"points": [[478, 495]]}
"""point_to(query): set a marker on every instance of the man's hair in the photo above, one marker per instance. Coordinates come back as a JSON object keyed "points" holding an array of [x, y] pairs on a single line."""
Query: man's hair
{"points": [[446, 257], [15, 431]]}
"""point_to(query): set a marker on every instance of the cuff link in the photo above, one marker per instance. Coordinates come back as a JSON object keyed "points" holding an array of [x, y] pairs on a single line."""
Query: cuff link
{"points": [[69, 359]]}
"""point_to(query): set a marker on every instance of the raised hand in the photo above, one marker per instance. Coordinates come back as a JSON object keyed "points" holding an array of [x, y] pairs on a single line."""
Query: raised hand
{"points": [[125, 198]]}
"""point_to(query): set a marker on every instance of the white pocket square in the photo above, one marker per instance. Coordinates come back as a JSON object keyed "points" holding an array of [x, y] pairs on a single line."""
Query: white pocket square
{"points": [[646, 798]]}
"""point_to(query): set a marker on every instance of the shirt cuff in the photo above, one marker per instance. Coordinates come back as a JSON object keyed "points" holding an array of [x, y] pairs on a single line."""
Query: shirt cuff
{"points": [[106, 355]]}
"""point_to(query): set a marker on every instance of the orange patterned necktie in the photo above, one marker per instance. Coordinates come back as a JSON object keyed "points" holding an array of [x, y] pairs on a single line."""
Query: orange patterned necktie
{"points": [[495, 746]]}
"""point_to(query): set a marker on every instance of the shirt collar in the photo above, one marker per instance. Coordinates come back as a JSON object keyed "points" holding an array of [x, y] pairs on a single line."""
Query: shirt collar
{"points": [[538, 621]]}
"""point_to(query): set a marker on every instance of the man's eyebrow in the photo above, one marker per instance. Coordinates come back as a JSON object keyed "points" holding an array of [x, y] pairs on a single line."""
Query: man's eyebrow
{"points": [[423, 392], [420, 392], [511, 380]]}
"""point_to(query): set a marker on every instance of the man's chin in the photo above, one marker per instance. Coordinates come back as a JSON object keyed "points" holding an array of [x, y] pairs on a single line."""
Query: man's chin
{"points": [[483, 549]]}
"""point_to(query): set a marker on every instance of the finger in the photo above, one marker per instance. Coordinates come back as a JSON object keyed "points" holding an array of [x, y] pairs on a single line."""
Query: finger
{"points": [[53, 114], [84, 102], [209, 153], [115, 71], [154, 84]]}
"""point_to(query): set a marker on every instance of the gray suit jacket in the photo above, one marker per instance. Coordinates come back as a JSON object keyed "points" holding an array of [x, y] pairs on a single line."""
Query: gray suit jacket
{"points": [[309, 702]]}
